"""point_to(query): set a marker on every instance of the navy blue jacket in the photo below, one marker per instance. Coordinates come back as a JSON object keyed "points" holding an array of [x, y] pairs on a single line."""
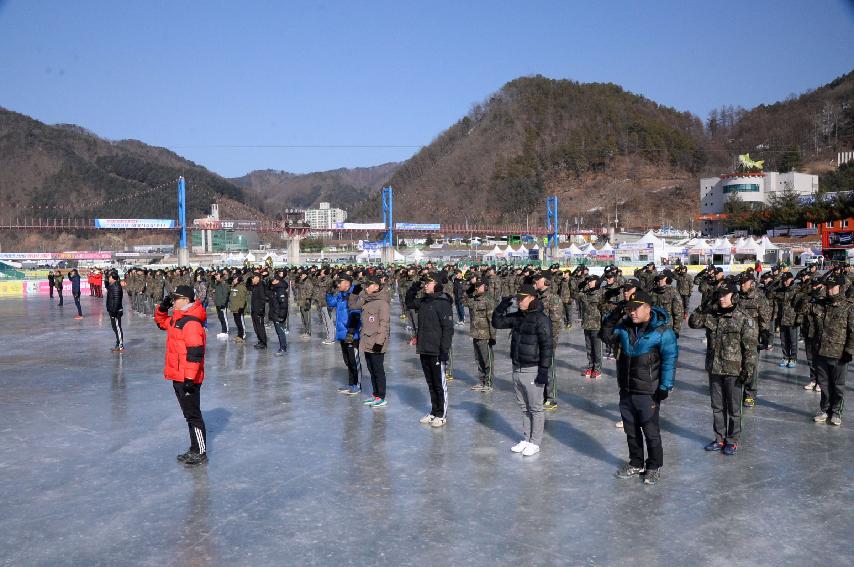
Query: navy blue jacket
{"points": [[75, 283], [647, 355]]}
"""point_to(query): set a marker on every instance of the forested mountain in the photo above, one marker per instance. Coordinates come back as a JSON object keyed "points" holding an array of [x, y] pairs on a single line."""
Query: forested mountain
{"points": [[65, 171], [272, 191], [600, 148]]}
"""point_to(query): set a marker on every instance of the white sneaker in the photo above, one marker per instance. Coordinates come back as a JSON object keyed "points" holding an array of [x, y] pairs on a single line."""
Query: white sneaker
{"points": [[222, 335], [519, 447], [428, 418], [438, 422], [619, 424], [531, 449], [809, 386]]}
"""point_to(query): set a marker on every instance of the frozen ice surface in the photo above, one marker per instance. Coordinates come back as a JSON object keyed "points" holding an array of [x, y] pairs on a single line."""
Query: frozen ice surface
{"points": [[301, 475]]}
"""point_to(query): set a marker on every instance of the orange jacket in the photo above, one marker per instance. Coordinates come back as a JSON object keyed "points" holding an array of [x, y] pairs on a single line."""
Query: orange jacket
{"points": [[185, 342]]}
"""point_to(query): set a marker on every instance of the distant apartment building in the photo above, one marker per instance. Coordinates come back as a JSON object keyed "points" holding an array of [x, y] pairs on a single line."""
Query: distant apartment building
{"points": [[755, 187], [324, 217]]}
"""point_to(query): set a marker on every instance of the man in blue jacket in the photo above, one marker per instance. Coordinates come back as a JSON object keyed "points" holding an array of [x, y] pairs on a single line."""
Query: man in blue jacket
{"points": [[348, 323], [646, 362]]}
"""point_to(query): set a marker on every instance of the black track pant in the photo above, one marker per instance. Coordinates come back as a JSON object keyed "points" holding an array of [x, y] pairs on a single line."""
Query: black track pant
{"points": [[374, 361], [260, 330], [223, 320], [726, 397], [830, 375], [189, 398], [76, 297], [116, 324], [350, 352], [593, 345], [238, 320], [640, 422], [436, 384]]}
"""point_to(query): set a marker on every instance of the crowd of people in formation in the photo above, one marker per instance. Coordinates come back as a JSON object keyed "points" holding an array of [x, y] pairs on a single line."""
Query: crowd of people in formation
{"points": [[634, 321]]}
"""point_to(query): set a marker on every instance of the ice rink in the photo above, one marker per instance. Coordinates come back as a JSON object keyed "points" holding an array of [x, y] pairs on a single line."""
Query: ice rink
{"points": [[301, 475]]}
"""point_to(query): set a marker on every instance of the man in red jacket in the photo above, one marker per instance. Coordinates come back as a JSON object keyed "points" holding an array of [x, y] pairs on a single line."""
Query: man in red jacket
{"points": [[185, 363]]}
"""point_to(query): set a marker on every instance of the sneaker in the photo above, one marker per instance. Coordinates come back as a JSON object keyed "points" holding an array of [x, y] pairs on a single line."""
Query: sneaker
{"points": [[353, 390], [222, 335], [549, 405], [530, 450], [328, 342], [784, 363], [486, 389], [628, 471], [596, 375], [305, 336], [412, 341], [792, 364], [651, 476], [343, 389], [379, 403], [587, 373], [730, 449], [369, 401], [449, 377], [78, 318], [477, 387], [817, 388], [239, 340], [427, 418], [120, 350], [820, 416], [749, 402], [280, 352], [835, 420], [261, 346], [619, 424], [810, 386], [438, 421], [519, 447], [115, 349], [194, 459], [183, 456], [714, 446]]}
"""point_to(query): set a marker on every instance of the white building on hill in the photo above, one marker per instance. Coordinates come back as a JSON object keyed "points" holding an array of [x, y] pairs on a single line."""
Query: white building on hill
{"points": [[324, 217], [755, 187]]}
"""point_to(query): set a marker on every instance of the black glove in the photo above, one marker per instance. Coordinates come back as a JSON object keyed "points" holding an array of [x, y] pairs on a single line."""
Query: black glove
{"points": [[166, 304], [349, 338], [443, 357], [660, 395], [189, 386], [377, 348], [491, 342], [505, 303], [542, 376], [470, 291], [845, 359], [743, 378]]}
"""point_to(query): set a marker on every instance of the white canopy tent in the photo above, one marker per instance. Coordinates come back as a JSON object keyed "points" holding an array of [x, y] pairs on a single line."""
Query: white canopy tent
{"points": [[573, 250]]}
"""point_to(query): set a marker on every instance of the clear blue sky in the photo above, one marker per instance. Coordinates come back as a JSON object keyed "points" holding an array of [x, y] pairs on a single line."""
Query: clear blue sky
{"points": [[195, 75]]}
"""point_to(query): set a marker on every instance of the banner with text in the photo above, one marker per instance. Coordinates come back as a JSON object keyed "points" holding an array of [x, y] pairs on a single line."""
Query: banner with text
{"points": [[134, 223]]}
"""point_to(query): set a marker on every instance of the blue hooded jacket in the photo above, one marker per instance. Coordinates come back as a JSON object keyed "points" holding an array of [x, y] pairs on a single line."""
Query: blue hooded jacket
{"points": [[647, 360], [345, 317]]}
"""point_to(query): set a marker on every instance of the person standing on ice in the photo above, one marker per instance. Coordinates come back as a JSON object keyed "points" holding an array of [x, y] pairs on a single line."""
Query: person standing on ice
{"points": [[185, 363]]}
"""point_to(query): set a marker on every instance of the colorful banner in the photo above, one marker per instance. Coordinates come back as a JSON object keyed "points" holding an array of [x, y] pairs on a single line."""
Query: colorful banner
{"points": [[414, 226], [360, 226], [134, 223], [241, 225]]}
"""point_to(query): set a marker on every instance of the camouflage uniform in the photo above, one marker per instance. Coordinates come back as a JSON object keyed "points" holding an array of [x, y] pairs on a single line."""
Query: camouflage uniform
{"points": [[567, 294], [591, 323], [832, 318], [305, 289], [553, 308], [731, 355], [668, 299], [754, 303], [482, 334], [684, 284]]}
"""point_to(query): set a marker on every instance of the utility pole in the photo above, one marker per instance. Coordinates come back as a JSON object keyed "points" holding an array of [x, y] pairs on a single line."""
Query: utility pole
{"points": [[183, 253]]}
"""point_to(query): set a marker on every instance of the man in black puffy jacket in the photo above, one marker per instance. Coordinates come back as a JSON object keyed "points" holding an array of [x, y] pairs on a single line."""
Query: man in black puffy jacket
{"points": [[531, 351], [279, 309], [259, 307], [435, 333], [115, 309]]}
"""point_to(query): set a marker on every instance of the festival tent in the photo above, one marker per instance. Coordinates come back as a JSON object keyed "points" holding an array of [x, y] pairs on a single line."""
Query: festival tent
{"points": [[573, 250], [416, 256], [250, 257], [520, 252], [398, 257]]}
